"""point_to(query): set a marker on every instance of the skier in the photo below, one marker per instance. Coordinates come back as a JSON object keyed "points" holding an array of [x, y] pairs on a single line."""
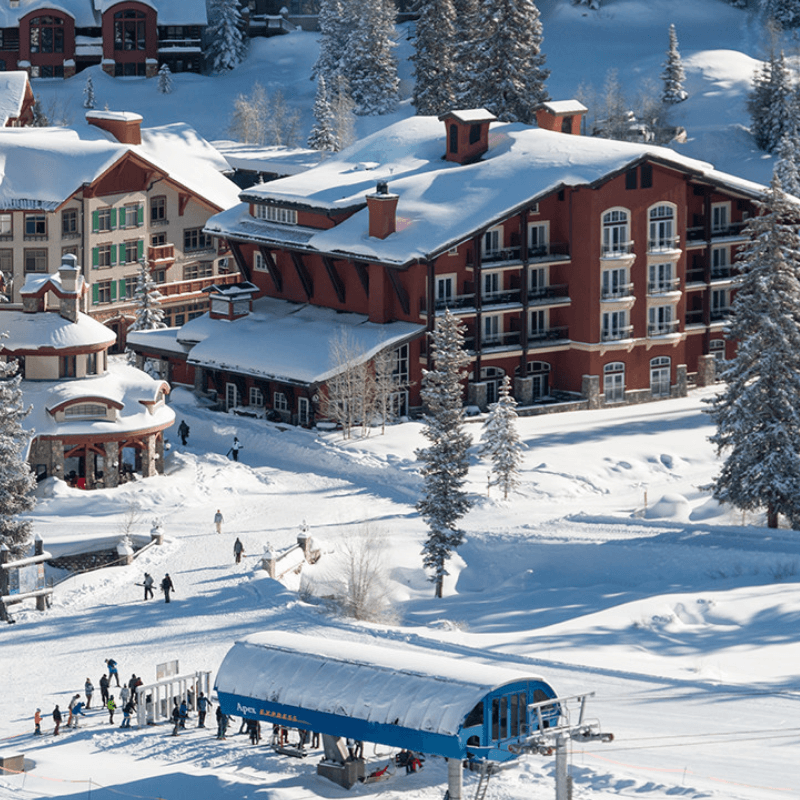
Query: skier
{"points": [[235, 447], [37, 721], [238, 550], [88, 690], [176, 717], [183, 712], [222, 723], [148, 585], [183, 431], [112, 671], [167, 587], [124, 695], [56, 720], [203, 705], [218, 520], [112, 707], [127, 713], [103, 690], [77, 711], [70, 707], [254, 731]]}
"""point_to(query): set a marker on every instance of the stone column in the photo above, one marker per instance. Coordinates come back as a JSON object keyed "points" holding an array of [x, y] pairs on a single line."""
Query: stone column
{"points": [[199, 380], [590, 390], [681, 387], [706, 370], [148, 456], [38, 550], [523, 390], [90, 475], [476, 395], [57, 458], [112, 465], [160, 465]]}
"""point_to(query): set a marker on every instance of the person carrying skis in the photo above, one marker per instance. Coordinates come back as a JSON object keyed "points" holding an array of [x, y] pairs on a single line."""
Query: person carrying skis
{"points": [[148, 585]]}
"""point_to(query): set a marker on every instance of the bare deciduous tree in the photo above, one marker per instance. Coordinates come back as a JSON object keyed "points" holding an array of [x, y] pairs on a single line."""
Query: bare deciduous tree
{"points": [[349, 399], [388, 384], [260, 119]]}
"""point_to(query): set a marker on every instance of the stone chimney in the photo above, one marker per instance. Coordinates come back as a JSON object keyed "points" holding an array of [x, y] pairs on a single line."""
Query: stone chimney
{"points": [[563, 116], [68, 274], [125, 127], [382, 211], [467, 134]]}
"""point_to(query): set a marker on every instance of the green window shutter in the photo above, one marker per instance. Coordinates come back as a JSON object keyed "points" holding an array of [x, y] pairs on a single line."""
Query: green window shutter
{"points": [[113, 254], [95, 257], [140, 248], [95, 293], [95, 221], [113, 218], [122, 292], [113, 291], [140, 215]]}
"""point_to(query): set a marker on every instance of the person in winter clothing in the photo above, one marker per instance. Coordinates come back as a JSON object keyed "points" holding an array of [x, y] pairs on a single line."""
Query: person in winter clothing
{"points": [[112, 671], [218, 520], [88, 689], [254, 731], [133, 684], [148, 586], [238, 550], [77, 711], [222, 723], [112, 707], [235, 447], [203, 706], [183, 711], [127, 712], [183, 431], [37, 722], [167, 587], [176, 717], [56, 720], [71, 705], [124, 695], [103, 690]]}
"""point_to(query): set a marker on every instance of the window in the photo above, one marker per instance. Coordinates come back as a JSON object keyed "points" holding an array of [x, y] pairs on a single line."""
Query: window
{"points": [[69, 222], [5, 225], [103, 291], [453, 138], [103, 255], [157, 239], [9, 38], [195, 239], [719, 262], [286, 216], [86, 411], [35, 225], [159, 275], [279, 402], [537, 281], [537, 239], [303, 412], [47, 35], [615, 283], [720, 216], [615, 325], [491, 328], [646, 175], [105, 219], [660, 376], [129, 30], [491, 285], [662, 228], [133, 250], [538, 324], [66, 366], [131, 282], [540, 372], [35, 261], [492, 242], [259, 264], [158, 209], [132, 215], [256, 396], [204, 269], [630, 178], [91, 363], [492, 377], [661, 278], [720, 302], [659, 320], [615, 232], [7, 262], [444, 290], [614, 382], [232, 396], [716, 347], [474, 133]]}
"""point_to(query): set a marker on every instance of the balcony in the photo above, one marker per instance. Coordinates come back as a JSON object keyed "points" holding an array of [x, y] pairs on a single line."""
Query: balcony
{"points": [[663, 245], [544, 336], [197, 285], [617, 292], [663, 328], [664, 286], [161, 255], [452, 302], [501, 298], [696, 275], [541, 295], [698, 232], [724, 273], [720, 314], [616, 334], [510, 339], [694, 317], [617, 250], [552, 251], [506, 255]]}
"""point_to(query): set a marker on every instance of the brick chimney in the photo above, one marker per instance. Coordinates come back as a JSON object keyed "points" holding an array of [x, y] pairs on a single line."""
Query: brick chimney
{"points": [[124, 126], [382, 211], [467, 134], [562, 116], [68, 274]]}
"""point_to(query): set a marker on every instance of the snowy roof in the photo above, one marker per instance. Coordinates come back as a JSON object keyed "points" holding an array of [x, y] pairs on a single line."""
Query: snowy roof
{"points": [[275, 160], [294, 340], [442, 203], [127, 388], [565, 107], [411, 688], [160, 341], [41, 167], [117, 116], [470, 115], [87, 12], [36, 284], [12, 94], [48, 329]]}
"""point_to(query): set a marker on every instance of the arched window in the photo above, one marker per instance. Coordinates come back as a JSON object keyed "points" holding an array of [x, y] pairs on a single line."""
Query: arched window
{"points": [[616, 232], [662, 227], [86, 411], [540, 372], [614, 382], [129, 30], [47, 34], [660, 369]]}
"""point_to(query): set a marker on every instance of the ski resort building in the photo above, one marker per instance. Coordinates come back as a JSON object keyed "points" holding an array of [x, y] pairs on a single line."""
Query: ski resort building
{"points": [[111, 194], [93, 424], [16, 100], [585, 269]]}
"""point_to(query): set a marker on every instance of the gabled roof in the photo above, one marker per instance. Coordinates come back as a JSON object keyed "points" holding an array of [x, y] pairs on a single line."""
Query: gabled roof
{"points": [[87, 13], [38, 285], [14, 87], [443, 203]]}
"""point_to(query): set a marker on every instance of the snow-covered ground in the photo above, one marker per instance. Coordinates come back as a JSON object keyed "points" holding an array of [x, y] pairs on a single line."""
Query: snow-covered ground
{"points": [[610, 571]]}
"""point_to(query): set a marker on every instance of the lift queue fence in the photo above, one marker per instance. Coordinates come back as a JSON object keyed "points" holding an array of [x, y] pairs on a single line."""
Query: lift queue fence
{"points": [[154, 701]]}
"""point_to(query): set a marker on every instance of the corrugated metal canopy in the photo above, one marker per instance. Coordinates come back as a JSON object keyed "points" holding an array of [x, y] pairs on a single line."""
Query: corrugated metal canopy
{"points": [[408, 687]]}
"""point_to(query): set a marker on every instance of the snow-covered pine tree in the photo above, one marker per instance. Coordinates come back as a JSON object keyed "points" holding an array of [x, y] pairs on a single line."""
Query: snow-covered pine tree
{"points": [[88, 93], [323, 133], [770, 102], [785, 12], [333, 31], [227, 40], [434, 59], [368, 63], [149, 314], [467, 90], [40, 119], [17, 482], [509, 63], [500, 442], [445, 462], [673, 74], [164, 79], [343, 109], [786, 167], [757, 414]]}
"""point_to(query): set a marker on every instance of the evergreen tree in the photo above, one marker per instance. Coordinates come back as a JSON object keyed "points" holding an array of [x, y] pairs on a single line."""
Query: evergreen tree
{"points": [[786, 167], [40, 119], [785, 12], [500, 441], [88, 93], [149, 314], [17, 482], [673, 75], [467, 90], [445, 461], [509, 63], [333, 31], [343, 109], [770, 102], [434, 58], [164, 79], [323, 134], [368, 62], [226, 36], [757, 414]]}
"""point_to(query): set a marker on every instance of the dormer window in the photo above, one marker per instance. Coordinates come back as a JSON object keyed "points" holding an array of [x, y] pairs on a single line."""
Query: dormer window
{"points": [[284, 216], [86, 411]]}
